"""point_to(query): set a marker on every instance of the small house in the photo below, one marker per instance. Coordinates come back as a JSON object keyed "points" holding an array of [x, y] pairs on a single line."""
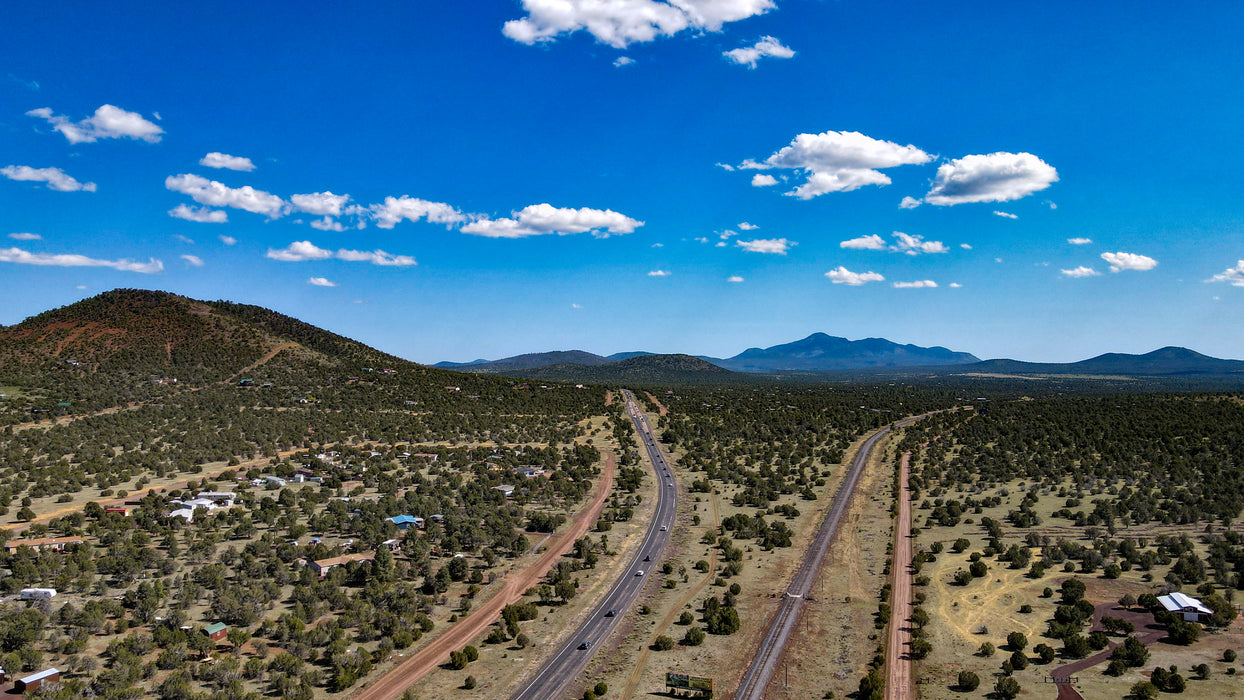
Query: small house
{"points": [[35, 680], [1190, 608], [216, 631], [323, 566], [223, 499], [403, 522], [37, 593], [392, 545], [123, 512], [55, 544], [506, 489]]}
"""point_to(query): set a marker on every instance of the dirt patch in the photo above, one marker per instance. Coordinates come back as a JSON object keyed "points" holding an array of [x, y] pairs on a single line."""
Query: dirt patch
{"points": [[897, 657], [653, 399], [608, 397]]}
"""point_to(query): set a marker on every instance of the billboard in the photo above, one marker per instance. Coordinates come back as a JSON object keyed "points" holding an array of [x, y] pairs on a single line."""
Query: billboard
{"points": [[682, 680]]}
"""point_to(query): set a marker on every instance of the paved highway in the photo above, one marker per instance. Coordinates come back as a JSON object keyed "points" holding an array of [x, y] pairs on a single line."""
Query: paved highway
{"points": [[571, 657], [765, 663]]}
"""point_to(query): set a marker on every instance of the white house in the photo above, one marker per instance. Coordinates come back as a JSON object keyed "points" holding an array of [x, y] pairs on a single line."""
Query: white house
{"points": [[1191, 608]]}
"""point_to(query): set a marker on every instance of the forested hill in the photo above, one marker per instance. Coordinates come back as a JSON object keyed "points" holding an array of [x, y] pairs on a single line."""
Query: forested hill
{"points": [[129, 345], [528, 361], [646, 369], [1168, 361]]}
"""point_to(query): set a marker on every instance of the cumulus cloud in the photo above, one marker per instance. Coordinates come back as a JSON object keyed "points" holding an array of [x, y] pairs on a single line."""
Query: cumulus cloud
{"points": [[996, 177], [226, 161], [193, 260], [915, 245], [541, 219], [918, 284], [576, 306], [1079, 241], [203, 215], [1129, 261], [659, 273], [55, 178], [772, 246], [842, 275], [109, 122], [909, 203], [1079, 272], [22, 257], [228, 240], [839, 161], [619, 23], [25, 236], [872, 242], [763, 180], [658, 245], [327, 224], [396, 209], [622, 61], [965, 246], [1004, 214], [1233, 276], [320, 203], [744, 226], [320, 282], [734, 279], [955, 285], [301, 251], [767, 47], [217, 194], [184, 239]]}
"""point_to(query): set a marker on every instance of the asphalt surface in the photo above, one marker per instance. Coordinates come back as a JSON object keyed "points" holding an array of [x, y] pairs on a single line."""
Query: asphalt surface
{"points": [[765, 663], [569, 660]]}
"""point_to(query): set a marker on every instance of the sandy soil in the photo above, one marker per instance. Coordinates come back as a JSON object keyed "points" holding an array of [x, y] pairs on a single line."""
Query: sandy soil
{"points": [[660, 407], [898, 660]]}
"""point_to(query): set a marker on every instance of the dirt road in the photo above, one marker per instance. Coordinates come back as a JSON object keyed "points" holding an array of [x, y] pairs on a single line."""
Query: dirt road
{"points": [[660, 409], [473, 625], [897, 657]]}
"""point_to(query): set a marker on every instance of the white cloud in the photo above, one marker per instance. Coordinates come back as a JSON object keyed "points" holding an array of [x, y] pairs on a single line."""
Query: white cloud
{"points": [[22, 257], [915, 245], [659, 273], [541, 219], [202, 215], [622, 61], [1232, 275], [996, 177], [184, 239], [1080, 272], [301, 251], [193, 260], [217, 194], [767, 47], [396, 209], [25, 236], [622, 22], [55, 178], [320, 282], [320, 203], [839, 161], [658, 245], [725, 166], [744, 226], [965, 246], [108, 123], [376, 257], [871, 242], [701, 239], [1051, 204], [763, 180], [955, 285], [1129, 261], [727, 234], [575, 306], [842, 275], [1079, 241], [918, 284], [327, 224], [1004, 214], [734, 279], [228, 240], [83, 286], [772, 246], [909, 203], [224, 160]]}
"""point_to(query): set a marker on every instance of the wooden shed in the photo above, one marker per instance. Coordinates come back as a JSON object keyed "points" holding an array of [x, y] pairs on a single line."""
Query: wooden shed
{"points": [[35, 680], [216, 631]]}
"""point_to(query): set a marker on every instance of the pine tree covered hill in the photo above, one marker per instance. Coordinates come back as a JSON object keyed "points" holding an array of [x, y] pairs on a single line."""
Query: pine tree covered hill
{"points": [[113, 349]]}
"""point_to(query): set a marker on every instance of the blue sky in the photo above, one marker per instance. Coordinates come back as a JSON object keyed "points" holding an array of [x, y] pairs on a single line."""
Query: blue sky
{"points": [[730, 174]]}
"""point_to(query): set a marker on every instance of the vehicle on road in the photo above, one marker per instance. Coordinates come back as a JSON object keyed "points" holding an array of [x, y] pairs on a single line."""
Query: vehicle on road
{"points": [[639, 573], [586, 644], [611, 613], [647, 558], [663, 528]]}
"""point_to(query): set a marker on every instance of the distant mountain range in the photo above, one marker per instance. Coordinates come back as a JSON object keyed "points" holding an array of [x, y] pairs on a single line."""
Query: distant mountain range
{"points": [[821, 353], [816, 353]]}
